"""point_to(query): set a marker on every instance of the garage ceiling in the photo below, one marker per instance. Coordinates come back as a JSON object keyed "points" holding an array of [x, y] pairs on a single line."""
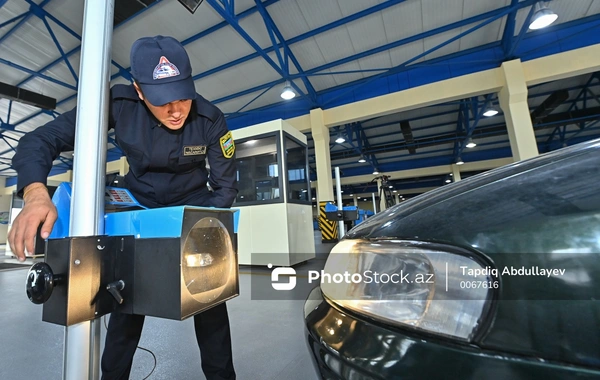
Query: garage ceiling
{"points": [[333, 52]]}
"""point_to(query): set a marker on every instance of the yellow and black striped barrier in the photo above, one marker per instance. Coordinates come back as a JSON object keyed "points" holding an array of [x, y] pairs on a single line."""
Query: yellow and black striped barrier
{"points": [[329, 229]]}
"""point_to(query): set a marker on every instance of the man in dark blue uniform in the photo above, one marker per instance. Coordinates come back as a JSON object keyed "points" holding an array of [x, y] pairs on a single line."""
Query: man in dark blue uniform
{"points": [[167, 131]]}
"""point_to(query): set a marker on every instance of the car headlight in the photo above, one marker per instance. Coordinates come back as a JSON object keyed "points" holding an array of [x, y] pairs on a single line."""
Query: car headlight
{"points": [[430, 287]]}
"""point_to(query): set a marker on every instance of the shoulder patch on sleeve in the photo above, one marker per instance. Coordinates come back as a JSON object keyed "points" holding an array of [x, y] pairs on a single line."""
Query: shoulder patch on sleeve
{"points": [[227, 145]]}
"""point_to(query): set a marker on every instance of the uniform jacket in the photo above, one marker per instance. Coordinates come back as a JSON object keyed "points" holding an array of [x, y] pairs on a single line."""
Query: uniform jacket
{"points": [[166, 167]]}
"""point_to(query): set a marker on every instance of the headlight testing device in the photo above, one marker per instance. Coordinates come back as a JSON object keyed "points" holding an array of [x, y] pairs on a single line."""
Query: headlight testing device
{"points": [[171, 262]]}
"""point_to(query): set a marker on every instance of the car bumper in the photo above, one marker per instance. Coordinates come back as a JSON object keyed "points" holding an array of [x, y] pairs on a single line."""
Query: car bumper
{"points": [[345, 346]]}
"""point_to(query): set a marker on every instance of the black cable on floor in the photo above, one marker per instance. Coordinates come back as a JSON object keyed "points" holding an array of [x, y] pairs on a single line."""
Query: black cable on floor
{"points": [[141, 348]]}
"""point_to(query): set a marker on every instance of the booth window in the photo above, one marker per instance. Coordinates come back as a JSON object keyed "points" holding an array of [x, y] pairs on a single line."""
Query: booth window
{"points": [[258, 170], [296, 156]]}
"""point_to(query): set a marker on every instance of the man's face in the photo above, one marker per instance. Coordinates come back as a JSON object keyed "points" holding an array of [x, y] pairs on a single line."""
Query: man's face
{"points": [[171, 115]]}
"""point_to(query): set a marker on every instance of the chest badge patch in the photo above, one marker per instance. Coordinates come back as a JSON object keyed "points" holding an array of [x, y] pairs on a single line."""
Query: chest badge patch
{"points": [[164, 69], [194, 150], [227, 145]]}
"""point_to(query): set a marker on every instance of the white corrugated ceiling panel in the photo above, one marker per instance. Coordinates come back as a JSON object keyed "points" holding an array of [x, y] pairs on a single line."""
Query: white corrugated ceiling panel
{"points": [[594, 8], [10, 10], [211, 87], [242, 5], [238, 78], [569, 10], [367, 33], [350, 7], [403, 53], [335, 44], [322, 82], [402, 21], [481, 36], [61, 70], [48, 88], [289, 18], [32, 47], [376, 61], [441, 39], [11, 75], [318, 13], [167, 18], [436, 13], [68, 12], [476, 7], [228, 42], [256, 29], [346, 78], [308, 54]]}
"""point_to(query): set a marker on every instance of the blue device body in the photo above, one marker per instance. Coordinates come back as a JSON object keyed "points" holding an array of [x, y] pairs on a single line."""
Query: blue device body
{"points": [[141, 223]]}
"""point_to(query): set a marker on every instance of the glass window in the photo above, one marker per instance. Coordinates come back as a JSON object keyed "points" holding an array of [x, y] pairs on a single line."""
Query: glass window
{"points": [[257, 170], [298, 186]]}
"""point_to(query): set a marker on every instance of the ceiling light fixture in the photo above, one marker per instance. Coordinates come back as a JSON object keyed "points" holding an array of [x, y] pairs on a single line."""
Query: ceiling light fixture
{"points": [[471, 143], [375, 172], [490, 111], [459, 161], [362, 159], [288, 93], [340, 139], [542, 18]]}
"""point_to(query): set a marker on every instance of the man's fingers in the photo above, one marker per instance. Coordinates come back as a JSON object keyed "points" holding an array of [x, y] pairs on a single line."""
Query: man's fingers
{"points": [[17, 243], [29, 239], [48, 224]]}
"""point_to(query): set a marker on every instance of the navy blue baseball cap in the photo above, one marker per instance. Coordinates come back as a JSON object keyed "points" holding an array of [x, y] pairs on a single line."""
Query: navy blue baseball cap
{"points": [[161, 67]]}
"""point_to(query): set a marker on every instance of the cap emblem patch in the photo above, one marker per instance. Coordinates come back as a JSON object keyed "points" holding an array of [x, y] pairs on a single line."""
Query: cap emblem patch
{"points": [[165, 69]]}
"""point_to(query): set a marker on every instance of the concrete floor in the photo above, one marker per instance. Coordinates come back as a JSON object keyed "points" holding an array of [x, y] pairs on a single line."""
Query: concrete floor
{"points": [[268, 336]]}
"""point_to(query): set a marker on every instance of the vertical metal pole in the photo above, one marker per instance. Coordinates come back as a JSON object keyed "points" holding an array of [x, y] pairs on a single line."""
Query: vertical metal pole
{"points": [[374, 204], [338, 189], [82, 341]]}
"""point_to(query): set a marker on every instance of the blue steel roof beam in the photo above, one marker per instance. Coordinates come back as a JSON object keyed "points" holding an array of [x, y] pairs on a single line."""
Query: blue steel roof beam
{"points": [[573, 105], [509, 31], [13, 148], [253, 99], [495, 13], [524, 29], [400, 67], [585, 128], [233, 22], [10, 103], [13, 19], [462, 119], [20, 23], [36, 74], [27, 118], [60, 50], [270, 24], [594, 96], [302, 37], [76, 49], [586, 20], [369, 157]]}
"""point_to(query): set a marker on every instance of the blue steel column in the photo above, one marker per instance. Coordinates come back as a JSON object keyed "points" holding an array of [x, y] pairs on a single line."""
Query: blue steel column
{"points": [[82, 341]]}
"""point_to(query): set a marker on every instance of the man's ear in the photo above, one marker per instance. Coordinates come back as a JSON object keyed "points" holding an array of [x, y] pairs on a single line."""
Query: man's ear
{"points": [[138, 90]]}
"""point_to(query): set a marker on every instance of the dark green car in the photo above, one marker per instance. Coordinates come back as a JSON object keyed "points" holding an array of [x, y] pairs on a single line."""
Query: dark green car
{"points": [[493, 277]]}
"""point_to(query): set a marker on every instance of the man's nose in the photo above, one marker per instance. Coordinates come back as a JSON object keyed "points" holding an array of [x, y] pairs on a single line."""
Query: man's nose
{"points": [[175, 109]]}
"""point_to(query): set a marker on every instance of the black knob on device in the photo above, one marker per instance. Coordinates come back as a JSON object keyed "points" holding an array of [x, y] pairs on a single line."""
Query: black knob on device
{"points": [[40, 282], [114, 288]]}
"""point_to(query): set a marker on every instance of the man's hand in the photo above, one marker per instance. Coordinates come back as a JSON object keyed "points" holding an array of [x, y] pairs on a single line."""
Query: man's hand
{"points": [[38, 209]]}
